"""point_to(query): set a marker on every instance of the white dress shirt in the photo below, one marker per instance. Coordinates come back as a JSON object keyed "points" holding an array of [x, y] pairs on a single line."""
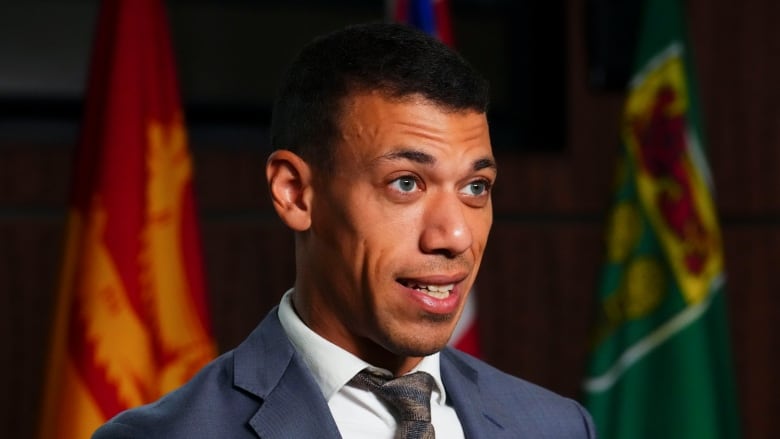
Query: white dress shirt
{"points": [[359, 413]]}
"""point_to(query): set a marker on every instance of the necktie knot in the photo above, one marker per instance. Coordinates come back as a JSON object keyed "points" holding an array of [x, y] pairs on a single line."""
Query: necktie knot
{"points": [[409, 396]]}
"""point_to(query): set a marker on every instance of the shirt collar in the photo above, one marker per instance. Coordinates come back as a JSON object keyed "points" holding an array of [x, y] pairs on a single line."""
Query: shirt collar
{"points": [[332, 366]]}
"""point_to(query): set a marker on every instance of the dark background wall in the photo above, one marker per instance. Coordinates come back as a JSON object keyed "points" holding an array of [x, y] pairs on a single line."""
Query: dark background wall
{"points": [[541, 267]]}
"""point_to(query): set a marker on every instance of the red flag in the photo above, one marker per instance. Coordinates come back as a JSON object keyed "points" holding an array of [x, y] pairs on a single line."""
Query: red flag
{"points": [[433, 17], [131, 320]]}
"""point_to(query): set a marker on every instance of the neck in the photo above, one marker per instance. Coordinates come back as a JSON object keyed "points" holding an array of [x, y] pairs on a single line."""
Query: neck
{"points": [[378, 356], [364, 348]]}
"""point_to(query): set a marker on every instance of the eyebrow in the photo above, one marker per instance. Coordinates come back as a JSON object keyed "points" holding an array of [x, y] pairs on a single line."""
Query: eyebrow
{"points": [[484, 163], [409, 154], [427, 159]]}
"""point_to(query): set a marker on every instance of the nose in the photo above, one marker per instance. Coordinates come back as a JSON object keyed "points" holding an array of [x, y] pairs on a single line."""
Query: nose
{"points": [[446, 229]]}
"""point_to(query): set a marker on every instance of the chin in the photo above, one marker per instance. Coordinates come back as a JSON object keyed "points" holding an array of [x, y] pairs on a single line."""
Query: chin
{"points": [[413, 345], [417, 350]]}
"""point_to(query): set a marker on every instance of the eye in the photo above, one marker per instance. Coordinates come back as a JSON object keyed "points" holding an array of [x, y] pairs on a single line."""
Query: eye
{"points": [[404, 184], [476, 188]]}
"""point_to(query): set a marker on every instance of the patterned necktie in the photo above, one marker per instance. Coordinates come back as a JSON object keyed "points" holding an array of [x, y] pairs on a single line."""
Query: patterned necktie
{"points": [[410, 398]]}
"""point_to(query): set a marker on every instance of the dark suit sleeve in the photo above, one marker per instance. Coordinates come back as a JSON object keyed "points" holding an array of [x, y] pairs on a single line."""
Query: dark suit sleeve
{"points": [[590, 428], [116, 430]]}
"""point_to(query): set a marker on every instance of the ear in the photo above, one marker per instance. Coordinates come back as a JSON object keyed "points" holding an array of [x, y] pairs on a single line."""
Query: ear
{"points": [[289, 181]]}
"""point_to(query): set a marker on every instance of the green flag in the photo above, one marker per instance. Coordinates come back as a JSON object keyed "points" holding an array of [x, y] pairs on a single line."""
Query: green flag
{"points": [[661, 362]]}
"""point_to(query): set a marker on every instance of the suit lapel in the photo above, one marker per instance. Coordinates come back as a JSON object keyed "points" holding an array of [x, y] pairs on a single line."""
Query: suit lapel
{"points": [[266, 365], [295, 408], [291, 404], [479, 416]]}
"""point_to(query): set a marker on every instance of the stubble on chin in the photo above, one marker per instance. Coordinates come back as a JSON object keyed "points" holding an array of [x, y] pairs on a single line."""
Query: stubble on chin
{"points": [[427, 341]]}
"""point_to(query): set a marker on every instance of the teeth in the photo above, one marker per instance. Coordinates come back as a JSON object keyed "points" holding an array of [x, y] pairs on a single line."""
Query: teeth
{"points": [[437, 294], [441, 288], [437, 291]]}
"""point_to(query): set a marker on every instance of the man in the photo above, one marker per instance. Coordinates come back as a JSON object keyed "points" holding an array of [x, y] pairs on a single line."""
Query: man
{"points": [[383, 170]]}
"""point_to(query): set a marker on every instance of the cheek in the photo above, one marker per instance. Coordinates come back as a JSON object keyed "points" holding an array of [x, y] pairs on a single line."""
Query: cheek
{"points": [[389, 241], [381, 221], [481, 222]]}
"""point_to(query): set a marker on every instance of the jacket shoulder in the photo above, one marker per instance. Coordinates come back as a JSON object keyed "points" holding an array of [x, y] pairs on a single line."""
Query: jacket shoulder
{"points": [[519, 405], [199, 408]]}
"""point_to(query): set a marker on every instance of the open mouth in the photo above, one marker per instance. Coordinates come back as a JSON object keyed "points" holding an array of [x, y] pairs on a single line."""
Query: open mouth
{"points": [[435, 291]]}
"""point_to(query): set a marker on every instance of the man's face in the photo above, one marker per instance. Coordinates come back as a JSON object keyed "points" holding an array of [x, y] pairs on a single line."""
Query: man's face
{"points": [[398, 226]]}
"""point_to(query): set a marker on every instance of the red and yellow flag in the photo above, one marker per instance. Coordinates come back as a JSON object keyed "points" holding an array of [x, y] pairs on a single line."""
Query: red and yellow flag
{"points": [[131, 321]]}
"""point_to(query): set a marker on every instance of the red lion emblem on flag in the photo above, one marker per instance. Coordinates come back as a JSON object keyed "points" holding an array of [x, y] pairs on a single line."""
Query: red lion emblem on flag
{"points": [[662, 142]]}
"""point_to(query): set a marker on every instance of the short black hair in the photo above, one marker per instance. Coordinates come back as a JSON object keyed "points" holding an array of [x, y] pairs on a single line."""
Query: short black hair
{"points": [[394, 59]]}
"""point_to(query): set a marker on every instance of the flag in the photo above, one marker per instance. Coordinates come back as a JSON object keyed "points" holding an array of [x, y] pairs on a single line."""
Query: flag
{"points": [[430, 16], [433, 17], [131, 318], [661, 361]]}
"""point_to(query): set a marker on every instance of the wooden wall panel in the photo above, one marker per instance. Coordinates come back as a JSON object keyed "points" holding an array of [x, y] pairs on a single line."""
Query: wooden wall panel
{"points": [[230, 182], [752, 253], [29, 259], [736, 51], [250, 264], [34, 177], [535, 293], [248, 252]]}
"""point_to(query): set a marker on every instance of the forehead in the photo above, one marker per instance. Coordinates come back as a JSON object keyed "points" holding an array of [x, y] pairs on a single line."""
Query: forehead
{"points": [[372, 123]]}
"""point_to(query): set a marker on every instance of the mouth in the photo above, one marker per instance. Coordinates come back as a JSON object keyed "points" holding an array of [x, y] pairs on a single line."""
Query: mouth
{"points": [[441, 291]]}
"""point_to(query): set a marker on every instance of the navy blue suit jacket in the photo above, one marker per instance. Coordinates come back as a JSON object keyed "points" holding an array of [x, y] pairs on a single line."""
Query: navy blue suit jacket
{"points": [[264, 389]]}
